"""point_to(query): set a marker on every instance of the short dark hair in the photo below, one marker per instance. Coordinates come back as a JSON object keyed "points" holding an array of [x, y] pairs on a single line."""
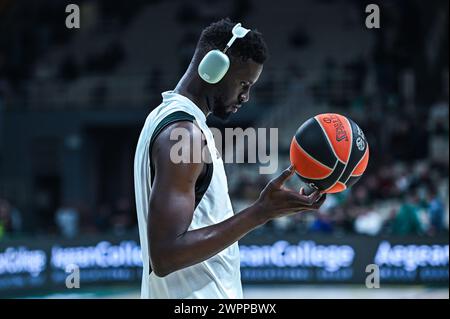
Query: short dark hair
{"points": [[217, 35]]}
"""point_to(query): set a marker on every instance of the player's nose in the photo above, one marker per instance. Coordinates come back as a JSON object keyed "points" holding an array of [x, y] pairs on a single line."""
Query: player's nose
{"points": [[243, 98]]}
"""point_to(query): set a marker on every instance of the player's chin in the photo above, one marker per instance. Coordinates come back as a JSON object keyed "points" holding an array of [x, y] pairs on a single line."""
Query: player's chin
{"points": [[224, 116], [230, 110]]}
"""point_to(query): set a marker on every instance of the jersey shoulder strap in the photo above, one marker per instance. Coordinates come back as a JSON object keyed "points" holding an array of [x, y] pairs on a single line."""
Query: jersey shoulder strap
{"points": [[202, 183]]}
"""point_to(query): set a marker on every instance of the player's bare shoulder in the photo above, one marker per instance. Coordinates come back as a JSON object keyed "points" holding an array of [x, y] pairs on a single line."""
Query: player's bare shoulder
{"points": [[179, 147]]}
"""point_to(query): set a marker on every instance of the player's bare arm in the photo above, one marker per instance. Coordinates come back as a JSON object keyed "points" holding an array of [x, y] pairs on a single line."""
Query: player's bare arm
{"points": [[172, 246]]}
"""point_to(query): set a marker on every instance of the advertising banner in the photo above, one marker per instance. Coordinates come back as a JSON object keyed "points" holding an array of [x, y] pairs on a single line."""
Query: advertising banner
{"points": [[45, 264]]}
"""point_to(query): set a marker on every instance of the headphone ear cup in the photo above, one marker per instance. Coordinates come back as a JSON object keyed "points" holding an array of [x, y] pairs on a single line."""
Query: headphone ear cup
{"points": [[213, 66]]}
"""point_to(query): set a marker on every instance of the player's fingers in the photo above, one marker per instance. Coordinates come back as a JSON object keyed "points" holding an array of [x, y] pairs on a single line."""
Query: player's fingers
{"points": [[311, 198], [302, 191], [284, 176], [314, 196], [319, 202], [306, 191], [298, 199], [313, 207]]}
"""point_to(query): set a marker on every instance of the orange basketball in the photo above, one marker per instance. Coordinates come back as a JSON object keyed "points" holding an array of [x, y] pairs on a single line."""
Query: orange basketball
{"points": [[329, 152]]}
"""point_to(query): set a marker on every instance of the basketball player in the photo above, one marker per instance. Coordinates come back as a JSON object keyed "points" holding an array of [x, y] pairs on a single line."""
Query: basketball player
{"points": [[188, 230]]}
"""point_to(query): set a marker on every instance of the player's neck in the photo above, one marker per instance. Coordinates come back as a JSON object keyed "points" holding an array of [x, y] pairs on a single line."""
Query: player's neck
{"points": [[194, 89]]}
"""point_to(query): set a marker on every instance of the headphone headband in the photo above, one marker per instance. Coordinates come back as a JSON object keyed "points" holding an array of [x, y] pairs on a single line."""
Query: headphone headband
{"points": [[238, 32]]}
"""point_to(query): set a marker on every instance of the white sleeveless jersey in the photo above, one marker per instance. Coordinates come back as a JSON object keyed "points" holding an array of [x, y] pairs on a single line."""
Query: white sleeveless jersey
{"points": [[218, 276]]}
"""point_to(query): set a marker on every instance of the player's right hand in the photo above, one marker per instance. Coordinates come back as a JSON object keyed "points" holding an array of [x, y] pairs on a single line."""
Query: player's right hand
{"points": [[276, 200]]}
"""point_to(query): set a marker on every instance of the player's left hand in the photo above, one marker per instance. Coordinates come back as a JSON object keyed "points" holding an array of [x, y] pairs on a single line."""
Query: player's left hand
{"points": [[276, 200]]}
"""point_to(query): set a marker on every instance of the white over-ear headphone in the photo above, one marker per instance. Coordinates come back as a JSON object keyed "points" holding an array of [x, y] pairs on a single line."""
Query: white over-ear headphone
{"points": [[216, 63]]}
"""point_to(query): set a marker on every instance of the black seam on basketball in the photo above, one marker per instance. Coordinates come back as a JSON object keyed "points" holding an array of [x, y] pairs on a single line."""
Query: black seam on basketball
{"points": [[320, 163], [331, 186], [342, 173], [328, 140], [337, 180], [324, 183], [349, 153], [352, 181], [351, 139], [351, 174], [355, 157], [321, 178], [309, 136]]}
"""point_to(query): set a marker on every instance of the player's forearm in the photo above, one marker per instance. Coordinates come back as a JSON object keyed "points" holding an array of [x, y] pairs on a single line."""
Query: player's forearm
{"points": [[198, 245]]}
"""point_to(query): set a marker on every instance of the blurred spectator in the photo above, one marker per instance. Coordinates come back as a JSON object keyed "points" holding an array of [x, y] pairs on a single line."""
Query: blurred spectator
{"points": [[322, 224], [103, 218], [5, 218], [388, 224], [16, 219], [369, 222], [438, 126], [10, 218], [435, 211], [67, 220], [123, 216], [407, 221], [282, 225], [401, 128]]}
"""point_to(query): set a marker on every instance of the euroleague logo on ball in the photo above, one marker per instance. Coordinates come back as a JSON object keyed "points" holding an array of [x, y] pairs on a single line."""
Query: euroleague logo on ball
{"points": [[360, 141], [341, 133]]}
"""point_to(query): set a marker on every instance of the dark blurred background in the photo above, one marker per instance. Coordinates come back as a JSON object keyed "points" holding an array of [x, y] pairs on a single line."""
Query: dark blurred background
{"points": [[73, 101]]}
